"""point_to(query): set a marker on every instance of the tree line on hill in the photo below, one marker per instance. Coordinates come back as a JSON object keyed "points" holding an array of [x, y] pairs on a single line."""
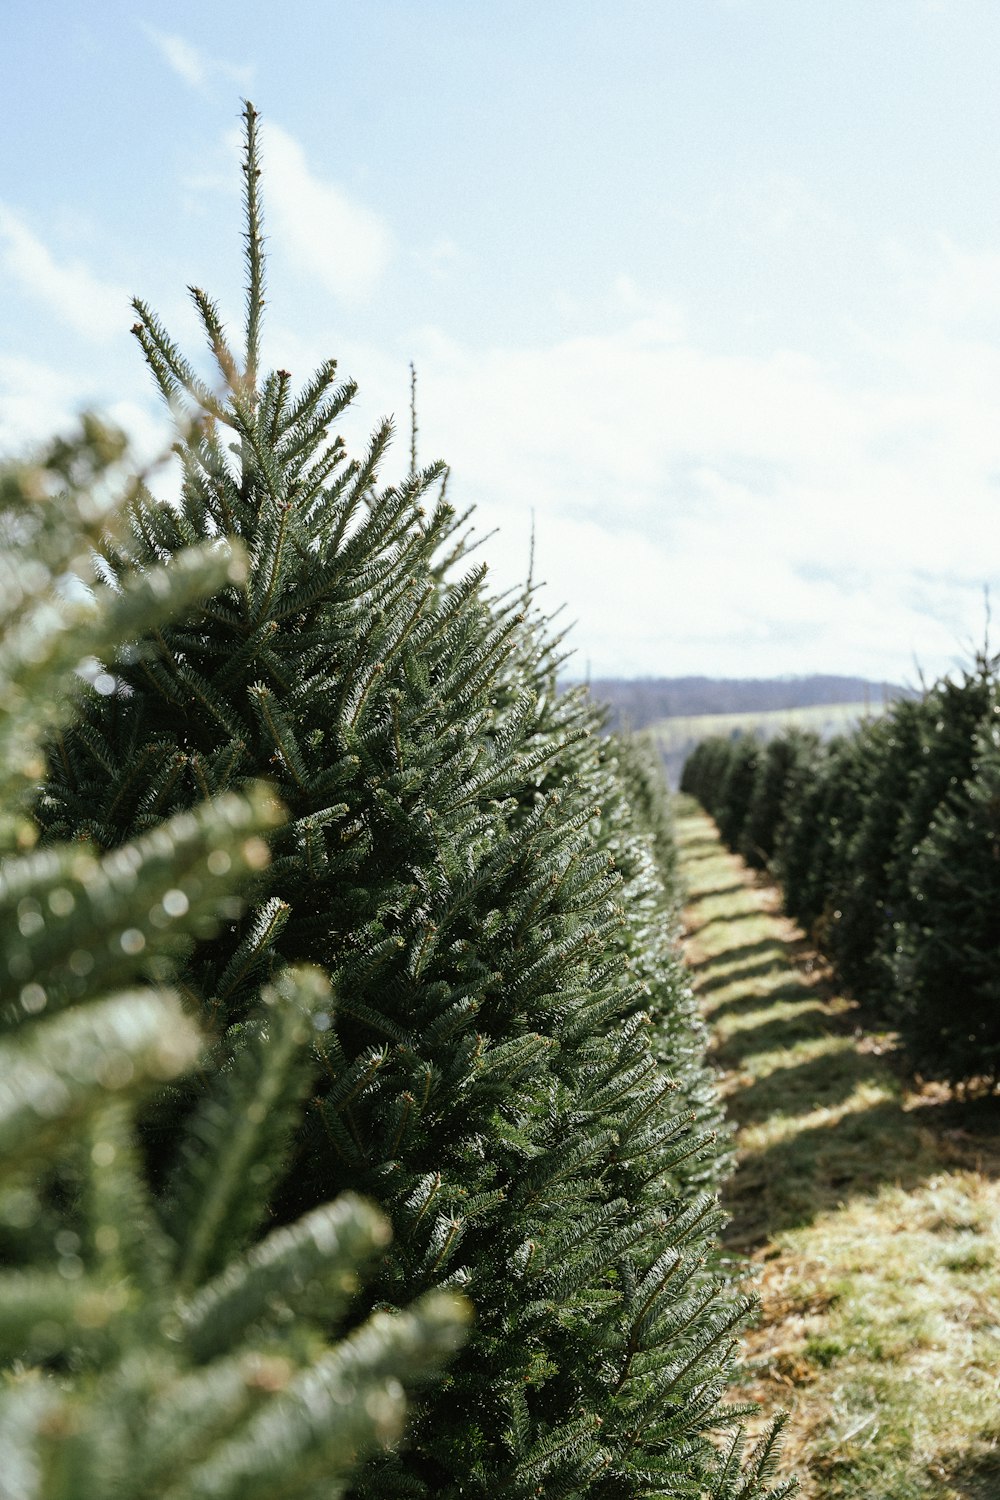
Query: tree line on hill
{"points": [[638, 702], [347, 1055], [887, 844]]}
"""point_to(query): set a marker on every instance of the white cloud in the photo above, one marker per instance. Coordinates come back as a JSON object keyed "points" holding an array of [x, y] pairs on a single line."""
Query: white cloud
{"points": [[764, 209], [193, 65], [749, 515], [323, 231], [952, 286], [35, 402], [700, 511], [94, 307], [38, 401]]}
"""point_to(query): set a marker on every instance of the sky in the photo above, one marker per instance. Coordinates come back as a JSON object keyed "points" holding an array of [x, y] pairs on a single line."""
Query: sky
{"points": [[704, 292]]}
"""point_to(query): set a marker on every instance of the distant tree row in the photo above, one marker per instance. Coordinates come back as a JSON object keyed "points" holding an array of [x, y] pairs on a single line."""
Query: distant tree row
{"points": [[887, 844]]}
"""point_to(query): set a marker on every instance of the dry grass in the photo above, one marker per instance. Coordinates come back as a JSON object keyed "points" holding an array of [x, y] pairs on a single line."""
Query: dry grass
{"points": [[870, 1208]]}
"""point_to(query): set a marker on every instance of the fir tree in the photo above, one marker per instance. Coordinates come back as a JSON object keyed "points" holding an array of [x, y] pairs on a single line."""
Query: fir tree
{"points": [[851, 767], [641, 772], [822, 809], [706, 769], [954, 711], [737, 789], [637, 831], [524, 1108], [947, 979], [860, 937], [777, 762], [147, 1348]]}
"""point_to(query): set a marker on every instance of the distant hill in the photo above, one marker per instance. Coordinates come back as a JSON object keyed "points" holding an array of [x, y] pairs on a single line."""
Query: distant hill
{"points": [[643, 701], [681, 711], [678, 735]]}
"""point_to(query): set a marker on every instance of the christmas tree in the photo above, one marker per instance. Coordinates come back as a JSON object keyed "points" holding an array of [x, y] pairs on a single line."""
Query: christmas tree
{"points": [[509, 1072], [776, 765], [860, 936], [947, 982], [954, 711], [706, 771], [737, 788], [822, 807], [155, 1339]]}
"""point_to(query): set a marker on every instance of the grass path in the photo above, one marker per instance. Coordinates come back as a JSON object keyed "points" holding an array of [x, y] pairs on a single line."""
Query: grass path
{"points": [[872, 1212]]}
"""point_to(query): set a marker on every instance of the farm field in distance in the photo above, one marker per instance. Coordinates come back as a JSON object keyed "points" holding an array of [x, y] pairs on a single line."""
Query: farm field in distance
{"points": [[678, 735]]}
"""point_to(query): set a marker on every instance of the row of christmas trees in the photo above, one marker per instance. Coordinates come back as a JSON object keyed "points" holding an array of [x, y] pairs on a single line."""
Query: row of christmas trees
{"points": [[887, 844], [299, 1073]]}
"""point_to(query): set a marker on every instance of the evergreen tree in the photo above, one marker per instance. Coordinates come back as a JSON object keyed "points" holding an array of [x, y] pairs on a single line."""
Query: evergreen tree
{"points": [[641, 773], [639, 833], [851, 767], [953, 714], [822, 802], [737, 789], [706, 769], [947, 977], [494, 1075], [145, 1348], [887, 851], [778, 758], [860, 936]]}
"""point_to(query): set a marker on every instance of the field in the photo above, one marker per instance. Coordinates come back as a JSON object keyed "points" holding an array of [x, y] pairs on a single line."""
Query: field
{"points": [[870, 1210], [677, 736]]}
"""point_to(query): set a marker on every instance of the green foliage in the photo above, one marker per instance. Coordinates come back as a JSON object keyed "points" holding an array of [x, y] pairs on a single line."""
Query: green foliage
{"points": [[779, 762], [147, 1347], [823, 808], [883, 849], [636, 814], [513, 1070], [948, 982], [640, 769], [954, 710], [706, 771], [737, 788], [860, 935]]}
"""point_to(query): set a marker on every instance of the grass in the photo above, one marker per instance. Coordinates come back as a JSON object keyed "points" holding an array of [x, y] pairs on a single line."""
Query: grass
{"points": [[870, 1209]]}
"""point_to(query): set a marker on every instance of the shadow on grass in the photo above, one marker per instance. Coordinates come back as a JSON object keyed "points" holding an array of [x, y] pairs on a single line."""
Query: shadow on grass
{"points": [[819, 1083], [745, 1005], [735, 955], [827, 1131], [785, 992], [786, 1185], [698, 839], [805, 1023], [976, 1476], [696, 897], [724, 921], [694, 853], [739, 953], [968, 1130]]}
